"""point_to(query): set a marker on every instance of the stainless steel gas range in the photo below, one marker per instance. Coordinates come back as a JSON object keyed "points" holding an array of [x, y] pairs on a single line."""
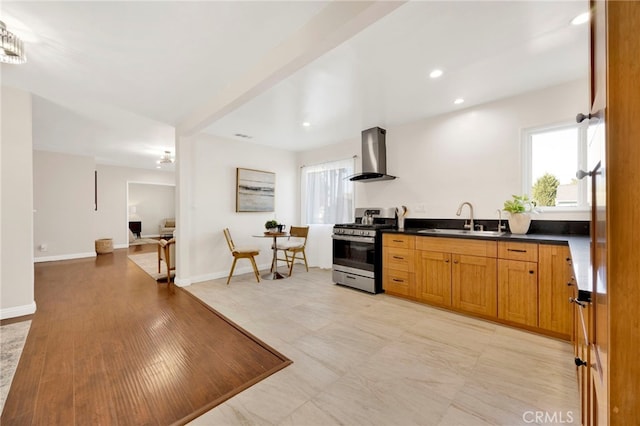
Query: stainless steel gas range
{"points": [[357, 249]]}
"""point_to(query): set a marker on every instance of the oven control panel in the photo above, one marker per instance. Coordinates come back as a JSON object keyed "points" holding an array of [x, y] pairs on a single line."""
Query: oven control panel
{"points": [[355, 232]]}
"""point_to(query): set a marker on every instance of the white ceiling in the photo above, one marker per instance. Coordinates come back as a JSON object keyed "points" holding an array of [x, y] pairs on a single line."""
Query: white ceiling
{"points": [[114, 79]]}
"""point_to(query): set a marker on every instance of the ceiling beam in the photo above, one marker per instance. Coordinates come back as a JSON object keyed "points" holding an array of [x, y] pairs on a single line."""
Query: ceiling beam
{"points": [[336, 23]]}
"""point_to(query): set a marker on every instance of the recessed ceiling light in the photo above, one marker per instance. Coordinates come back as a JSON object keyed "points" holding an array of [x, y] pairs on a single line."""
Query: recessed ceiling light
{"points": [[435, 73], [581, 19], [458, 101], [306, 124]]}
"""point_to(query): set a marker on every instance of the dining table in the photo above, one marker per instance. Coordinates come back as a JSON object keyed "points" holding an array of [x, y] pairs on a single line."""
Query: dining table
{"points": [[274, 274]]}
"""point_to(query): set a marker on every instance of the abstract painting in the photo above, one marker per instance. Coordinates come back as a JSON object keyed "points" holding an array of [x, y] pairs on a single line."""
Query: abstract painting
{"points": [[255, 190]]}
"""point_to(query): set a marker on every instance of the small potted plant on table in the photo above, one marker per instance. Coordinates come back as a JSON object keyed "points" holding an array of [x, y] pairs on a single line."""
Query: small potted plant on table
{"points": [[519, 208], [271, 226]]}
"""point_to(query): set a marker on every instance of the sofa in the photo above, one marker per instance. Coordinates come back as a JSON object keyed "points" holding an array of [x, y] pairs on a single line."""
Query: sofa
{"points": [[167, 226]]}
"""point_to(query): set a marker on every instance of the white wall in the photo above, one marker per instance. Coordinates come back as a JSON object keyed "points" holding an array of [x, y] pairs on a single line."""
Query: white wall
{"points": [[16, 205], [471, 155], [153, 203], [63, 199], [112, 217], [207, 188], [65, 219]]}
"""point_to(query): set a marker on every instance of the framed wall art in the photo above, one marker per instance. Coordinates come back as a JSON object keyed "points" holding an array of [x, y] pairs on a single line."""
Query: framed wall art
{"points": [[255, 190]]}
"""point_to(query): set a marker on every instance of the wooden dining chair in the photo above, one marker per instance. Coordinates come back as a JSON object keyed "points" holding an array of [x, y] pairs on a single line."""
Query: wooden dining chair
{"points": [[167, 253], [294, 245], [241, 253]]}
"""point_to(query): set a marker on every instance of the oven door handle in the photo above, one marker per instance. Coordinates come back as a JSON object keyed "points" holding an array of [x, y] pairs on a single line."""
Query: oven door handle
{"points": [[370, 240]]}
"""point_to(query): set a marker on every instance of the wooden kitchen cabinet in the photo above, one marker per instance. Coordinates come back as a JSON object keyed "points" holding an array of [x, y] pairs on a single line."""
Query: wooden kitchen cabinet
{"points": [[518, 283], [581, 312], [398, 262], [518, 292], [527, 252], [521, 284], [458, 273], [433, 277], [473, 283], [556, 284]]}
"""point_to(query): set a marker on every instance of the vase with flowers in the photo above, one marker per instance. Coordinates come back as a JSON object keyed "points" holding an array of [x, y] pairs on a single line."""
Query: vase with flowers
{"points": [[520, 208]]}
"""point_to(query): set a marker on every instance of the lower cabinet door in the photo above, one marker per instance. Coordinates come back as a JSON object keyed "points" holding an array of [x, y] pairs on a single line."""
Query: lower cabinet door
{"points": [[555, 286], [583, 363], [518, 291], [433, 277], [473, 284]]}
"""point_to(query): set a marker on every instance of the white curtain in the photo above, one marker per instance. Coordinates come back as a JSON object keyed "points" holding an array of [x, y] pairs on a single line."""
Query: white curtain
{"points": [[327, 193], [327, 198]]}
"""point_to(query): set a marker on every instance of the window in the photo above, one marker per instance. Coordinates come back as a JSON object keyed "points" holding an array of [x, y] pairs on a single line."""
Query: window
{"points": [[551, 157], [327, 194]]}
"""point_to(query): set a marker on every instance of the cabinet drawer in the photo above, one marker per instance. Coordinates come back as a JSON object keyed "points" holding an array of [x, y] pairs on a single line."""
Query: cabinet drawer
{"points": [[398, 258], [458, 246], [526, 252], [398, 240], [398, 282]]}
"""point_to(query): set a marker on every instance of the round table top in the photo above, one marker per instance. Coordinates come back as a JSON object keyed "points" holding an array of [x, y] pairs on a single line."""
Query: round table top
{"points": [[273, 234]]}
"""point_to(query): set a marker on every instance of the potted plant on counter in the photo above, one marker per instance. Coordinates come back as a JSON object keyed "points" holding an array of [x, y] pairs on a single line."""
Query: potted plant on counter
{"points": [[519, 208]]}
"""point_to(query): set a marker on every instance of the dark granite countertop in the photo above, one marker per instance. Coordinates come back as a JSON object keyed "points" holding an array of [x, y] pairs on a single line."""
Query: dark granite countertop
{"points": [[579, 246]]}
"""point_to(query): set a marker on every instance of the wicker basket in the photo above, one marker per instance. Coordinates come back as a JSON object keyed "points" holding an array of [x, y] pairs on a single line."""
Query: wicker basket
{"points": [[104, 245]]}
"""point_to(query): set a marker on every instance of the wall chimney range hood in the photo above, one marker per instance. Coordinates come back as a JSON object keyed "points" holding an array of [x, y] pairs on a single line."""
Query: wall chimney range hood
{"points": [[374, 156]]}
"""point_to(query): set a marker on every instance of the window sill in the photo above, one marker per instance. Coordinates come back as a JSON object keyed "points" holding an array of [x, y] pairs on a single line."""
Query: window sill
{"points": [[551, 210]]}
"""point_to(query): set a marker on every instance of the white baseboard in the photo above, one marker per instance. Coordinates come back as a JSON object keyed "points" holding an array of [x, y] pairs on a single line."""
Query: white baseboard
{"points": [[182, 282], [18, 311], [64, 257]]}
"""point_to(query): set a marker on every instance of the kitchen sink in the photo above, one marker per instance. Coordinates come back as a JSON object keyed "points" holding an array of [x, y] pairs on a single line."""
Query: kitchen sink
{"points": [[441, 231]]}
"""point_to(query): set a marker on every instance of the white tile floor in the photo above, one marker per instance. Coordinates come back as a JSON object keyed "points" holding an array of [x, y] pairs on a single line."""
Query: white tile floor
{"points": [[362, 359]]}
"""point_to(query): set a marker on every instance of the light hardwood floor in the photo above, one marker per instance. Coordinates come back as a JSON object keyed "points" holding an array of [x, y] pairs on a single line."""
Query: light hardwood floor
{"points": [[380, 360]]}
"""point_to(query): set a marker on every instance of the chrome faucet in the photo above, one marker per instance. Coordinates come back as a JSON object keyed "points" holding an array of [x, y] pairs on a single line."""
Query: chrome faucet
{"points": [[500, 225], [469, 225]]}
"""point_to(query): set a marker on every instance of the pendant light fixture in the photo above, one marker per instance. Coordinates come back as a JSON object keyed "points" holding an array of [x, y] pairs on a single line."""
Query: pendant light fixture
{"points": [[166, 158], [11, 47]]}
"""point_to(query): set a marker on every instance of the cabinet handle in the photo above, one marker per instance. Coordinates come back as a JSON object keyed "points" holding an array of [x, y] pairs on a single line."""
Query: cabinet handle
{"points": [[569, 283], [446, 261], [398, 241], [398, 257], [580, 362], [455, 261], [517, 250], [577, 302], [531, 272], [397, 280]]}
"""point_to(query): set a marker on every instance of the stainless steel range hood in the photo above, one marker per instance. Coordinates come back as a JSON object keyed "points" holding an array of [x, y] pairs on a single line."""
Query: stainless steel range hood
{"points": [[374, 156]]}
